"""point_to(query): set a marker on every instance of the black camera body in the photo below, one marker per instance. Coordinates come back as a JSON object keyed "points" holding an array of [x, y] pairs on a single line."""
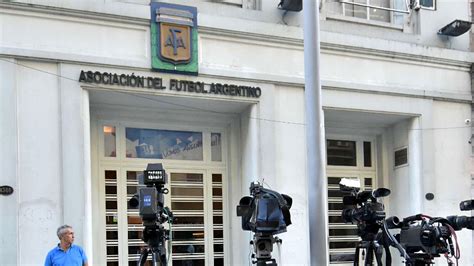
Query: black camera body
{"points": [[150, 199], [425, 237], [367, 212], [266, 211], [363, 208], [148, 202]]}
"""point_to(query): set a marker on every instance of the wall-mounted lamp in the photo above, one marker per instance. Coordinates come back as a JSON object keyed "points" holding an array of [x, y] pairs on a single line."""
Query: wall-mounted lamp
{"points": [[291, 5], [455, 28]]}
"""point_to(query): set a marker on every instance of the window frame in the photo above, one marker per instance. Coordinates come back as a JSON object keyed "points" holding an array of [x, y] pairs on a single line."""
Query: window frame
{"points": [[433, 8], [359, 153], [367, 11]]}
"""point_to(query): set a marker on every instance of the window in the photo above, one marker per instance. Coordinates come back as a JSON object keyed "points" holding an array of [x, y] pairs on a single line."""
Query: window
{"points": [[341, 152], [361, 9], [427, 4], [249, 4], [163, 144], [111, 221], [377, 11], [216, 148], [232, 2], [109, 141]]}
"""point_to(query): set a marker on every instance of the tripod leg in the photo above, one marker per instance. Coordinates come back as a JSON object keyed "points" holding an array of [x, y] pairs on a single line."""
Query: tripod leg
{"points": [[154, 258], [388, 255], [356, 255], [369, 256], [143, 256], [378, 256], [164, 262]]}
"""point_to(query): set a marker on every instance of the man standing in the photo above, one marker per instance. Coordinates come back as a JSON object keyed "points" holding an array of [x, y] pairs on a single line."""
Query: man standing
{"points": [[66, 253]]}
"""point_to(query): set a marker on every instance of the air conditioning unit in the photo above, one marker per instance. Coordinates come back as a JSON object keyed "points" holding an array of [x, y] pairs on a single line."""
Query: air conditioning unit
{"points": [[291, 5], [455, 28], [425, 4]]}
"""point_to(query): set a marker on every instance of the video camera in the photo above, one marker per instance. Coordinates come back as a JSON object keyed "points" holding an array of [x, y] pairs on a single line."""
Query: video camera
{"points": [[366, 209], [424, 237], [266, 213], [150, 201]]}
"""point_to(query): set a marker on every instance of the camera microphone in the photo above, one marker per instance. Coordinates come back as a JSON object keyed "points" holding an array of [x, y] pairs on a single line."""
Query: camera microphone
{"points": [[393, 222], [467, 205]]}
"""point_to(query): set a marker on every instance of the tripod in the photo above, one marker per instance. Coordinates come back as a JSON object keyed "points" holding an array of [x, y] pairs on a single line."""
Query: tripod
{"points": [[373, 245], [263, 247], [155, 236]]}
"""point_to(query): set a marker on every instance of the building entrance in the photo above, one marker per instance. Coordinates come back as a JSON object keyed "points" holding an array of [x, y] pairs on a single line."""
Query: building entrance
{"points": [[354, 158], [195, 162]]}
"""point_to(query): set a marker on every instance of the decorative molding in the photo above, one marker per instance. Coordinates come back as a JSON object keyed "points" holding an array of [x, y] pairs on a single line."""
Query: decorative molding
{"points": [[395, 91], [297, 43], [59, 11], [295, 82], [328, 47]]}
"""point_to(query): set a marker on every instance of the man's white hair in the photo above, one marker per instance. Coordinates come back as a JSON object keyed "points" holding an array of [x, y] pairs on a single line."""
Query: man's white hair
{"points": [[61, 230]]}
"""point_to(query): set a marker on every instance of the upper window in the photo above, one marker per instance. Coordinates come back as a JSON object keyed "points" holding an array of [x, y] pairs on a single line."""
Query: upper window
{"points": [[163, 144], [384, 11], [367, 11], [249, 4], [216, 147], [349, 153], [341, 152], [110, 148], [428, 4]]}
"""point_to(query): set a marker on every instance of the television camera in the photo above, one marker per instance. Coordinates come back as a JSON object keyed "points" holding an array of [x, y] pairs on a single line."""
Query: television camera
{"points": [[266, 213], [363, 209], [425, 238], [150, 201]]}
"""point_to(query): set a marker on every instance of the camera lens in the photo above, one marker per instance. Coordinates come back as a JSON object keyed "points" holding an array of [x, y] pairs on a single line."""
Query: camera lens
{"points": [[348, 215], [134, 201]]}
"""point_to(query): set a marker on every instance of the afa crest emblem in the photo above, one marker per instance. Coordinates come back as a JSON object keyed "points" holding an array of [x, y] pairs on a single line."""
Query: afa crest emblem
{"points": [[174, 38]]}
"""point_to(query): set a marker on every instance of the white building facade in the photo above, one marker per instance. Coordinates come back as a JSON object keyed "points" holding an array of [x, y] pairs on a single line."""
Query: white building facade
{"points": [[397, 103]]}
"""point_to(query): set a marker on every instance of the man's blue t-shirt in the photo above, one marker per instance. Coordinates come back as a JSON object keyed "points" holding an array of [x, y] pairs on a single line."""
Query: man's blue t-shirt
{"points": [[73, 256]]}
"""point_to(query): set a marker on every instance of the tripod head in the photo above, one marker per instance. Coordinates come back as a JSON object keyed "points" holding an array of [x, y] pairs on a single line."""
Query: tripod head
{"points": [[263, 247]]}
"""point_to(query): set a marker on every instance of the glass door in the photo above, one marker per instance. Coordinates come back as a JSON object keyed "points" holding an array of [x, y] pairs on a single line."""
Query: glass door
{"points": [[342, 236], [195, 162], [188, 204], [353, 158], [196, 198]]}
